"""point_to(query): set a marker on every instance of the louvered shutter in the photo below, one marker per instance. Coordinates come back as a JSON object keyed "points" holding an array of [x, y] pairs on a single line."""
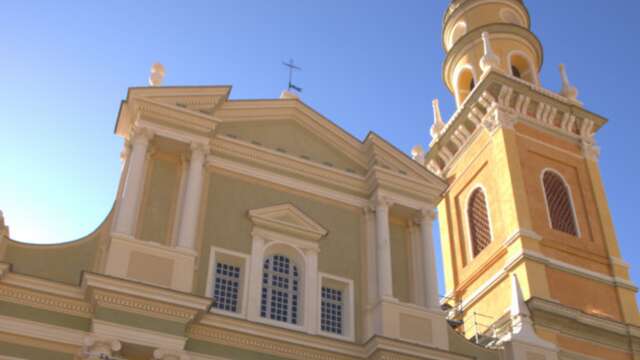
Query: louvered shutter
{"points": [[559, 204], [478, 216]]}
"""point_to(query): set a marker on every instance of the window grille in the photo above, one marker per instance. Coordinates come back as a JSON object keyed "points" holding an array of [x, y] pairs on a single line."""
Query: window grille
{"points": [[280, 290], [479, 227], [332, 311], [226, 287], [559, 204]]}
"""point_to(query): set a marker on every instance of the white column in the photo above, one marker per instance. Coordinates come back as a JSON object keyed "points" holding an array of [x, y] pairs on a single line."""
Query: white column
{"points": [[432, 299], [383, 250], [180, 201], [255, 278], [311, 308], [191, 206], [129, 202]]}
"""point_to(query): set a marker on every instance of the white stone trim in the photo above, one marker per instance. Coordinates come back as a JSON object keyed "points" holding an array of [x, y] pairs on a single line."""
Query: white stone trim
{"points": [[467, 230], [137, 335], [349, 310], [571, 201], [528, 254], [144, 291], [304, 253], [464, 28], [38, 330], [244, 280]]}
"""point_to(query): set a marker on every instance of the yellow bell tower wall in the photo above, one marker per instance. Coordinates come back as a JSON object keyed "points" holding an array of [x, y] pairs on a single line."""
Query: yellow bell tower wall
{"points": [[532, 154]]}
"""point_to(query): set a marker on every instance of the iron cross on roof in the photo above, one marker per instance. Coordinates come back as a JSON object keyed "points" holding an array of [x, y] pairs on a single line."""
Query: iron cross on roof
{"points": [[292, 67]]}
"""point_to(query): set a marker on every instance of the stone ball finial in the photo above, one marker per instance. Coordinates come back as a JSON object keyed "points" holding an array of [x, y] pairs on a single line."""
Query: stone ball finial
{"points": [[157, 74], [417, 153]]}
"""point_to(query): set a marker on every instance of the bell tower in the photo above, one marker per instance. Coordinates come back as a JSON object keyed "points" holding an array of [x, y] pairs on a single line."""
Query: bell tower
{"points": [[525, 199]]}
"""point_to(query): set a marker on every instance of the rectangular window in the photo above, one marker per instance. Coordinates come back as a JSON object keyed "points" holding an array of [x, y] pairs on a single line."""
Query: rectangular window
{"points": [[226, 287], [332, 311]]}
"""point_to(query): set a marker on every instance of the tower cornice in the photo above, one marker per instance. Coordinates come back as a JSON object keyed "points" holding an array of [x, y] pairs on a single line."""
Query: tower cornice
{"points": [[517, 100]]}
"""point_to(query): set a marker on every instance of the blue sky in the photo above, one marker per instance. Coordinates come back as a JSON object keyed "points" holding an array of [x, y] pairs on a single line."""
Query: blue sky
{"points": [[368, 65]]}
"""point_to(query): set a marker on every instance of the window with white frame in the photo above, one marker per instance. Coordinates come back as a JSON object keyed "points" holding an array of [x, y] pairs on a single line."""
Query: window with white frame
{"points": [[336, 306], [226, 282], [280, 297], [226, 289], [332, 310]]}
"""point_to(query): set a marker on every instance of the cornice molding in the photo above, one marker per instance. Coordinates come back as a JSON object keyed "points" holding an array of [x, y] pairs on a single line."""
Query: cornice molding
{"points": [[139, 336], [38, 330], [188, 303], [558, 309], [260, 344], [36, 299], [140, 306], [501, 101]]}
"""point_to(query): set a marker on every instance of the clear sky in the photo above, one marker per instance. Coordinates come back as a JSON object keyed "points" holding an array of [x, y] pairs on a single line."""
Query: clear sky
{"points": [[367, 65]]}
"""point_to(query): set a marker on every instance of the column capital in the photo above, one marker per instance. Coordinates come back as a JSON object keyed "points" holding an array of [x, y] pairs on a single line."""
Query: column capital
{"points": [[426, 214], [381, 201], [95, 346], [164, 354], [141, 135], [590, 150]]}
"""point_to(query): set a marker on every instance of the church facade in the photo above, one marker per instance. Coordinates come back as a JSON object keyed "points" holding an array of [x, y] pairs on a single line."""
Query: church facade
{"points": [[258, 229]]}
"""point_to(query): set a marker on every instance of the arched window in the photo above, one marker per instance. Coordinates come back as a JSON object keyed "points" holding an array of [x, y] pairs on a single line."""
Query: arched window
{"points": [[479, 226], [522, 68], [280, 297], [559, 203], [465, 83], [516, 72]]}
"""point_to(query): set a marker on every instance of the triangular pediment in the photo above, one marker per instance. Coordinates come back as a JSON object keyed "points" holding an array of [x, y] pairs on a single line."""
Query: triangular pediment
{"points": [[296, 137], [287, 219]]}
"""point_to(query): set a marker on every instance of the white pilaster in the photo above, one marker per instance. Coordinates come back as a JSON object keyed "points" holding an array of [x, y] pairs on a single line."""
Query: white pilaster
{"points": [[432, 300], [189, 219], [311, 308], [129, 202], [255, 278], [383, 250]]}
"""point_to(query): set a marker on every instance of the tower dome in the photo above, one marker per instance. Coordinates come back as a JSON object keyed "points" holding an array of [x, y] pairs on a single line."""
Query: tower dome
{"points": [[508, 41]]}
